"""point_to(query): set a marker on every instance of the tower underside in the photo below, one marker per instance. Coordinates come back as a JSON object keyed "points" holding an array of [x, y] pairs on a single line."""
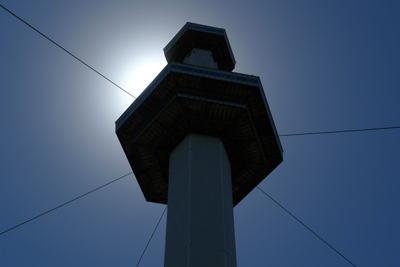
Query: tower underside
{"points": [[185, 99]]}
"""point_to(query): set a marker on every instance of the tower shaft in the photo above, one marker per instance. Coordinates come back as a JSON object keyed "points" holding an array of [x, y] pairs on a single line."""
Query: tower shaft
{"points": [[200, 228]]}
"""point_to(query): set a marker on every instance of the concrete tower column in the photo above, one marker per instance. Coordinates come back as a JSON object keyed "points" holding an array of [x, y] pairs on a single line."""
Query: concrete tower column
{"points": [[200, 229]]}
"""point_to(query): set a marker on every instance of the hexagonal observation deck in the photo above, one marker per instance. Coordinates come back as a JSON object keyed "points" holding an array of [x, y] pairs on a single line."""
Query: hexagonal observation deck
{"points": [[185, 99]]}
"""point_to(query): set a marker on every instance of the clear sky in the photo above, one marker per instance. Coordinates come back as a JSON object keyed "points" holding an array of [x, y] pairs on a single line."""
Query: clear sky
{"points": [[324, 65]]}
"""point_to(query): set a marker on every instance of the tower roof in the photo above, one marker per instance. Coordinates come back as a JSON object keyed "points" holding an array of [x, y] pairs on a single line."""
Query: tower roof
{"points": [[204, 37]]}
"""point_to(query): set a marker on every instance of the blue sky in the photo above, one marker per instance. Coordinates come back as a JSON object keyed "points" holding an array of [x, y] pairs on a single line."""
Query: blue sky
{"points": [[324, 65]]}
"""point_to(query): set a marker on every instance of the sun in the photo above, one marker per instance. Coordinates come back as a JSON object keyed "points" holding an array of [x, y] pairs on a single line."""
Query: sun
{"points": [[143, 73]]}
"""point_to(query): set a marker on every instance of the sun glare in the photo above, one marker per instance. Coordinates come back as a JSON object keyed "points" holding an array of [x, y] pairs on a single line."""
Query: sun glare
{"points": [[142, 74]]}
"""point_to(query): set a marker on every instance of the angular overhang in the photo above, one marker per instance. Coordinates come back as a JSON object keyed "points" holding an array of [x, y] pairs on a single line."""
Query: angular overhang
{"points": [[186, 99]]}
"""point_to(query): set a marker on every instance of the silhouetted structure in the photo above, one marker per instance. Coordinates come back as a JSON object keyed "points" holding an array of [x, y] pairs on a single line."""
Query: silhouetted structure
{"points": [[200, 138]]}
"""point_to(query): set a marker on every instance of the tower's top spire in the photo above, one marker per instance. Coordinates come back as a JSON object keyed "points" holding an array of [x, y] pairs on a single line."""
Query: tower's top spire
{"points": [[198, 36]]}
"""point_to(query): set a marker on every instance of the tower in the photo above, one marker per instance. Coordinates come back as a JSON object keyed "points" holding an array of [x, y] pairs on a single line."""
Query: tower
{"points": [[200, 138]]}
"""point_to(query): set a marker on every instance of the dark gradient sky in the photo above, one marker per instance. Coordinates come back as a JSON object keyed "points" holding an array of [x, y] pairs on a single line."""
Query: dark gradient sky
{"points": [[324, 65]]}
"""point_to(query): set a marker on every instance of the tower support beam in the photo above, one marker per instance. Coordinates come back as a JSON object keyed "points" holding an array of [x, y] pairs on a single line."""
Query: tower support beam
{"points": [[200, 228]]}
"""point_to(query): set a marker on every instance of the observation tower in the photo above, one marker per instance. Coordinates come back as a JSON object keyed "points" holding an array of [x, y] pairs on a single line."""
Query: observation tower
{"points": [[200, 138]]}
